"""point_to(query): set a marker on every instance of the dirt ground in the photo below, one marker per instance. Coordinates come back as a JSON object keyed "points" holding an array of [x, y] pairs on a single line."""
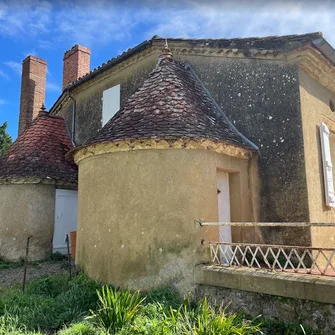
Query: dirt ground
{"points": [[10, 277]]}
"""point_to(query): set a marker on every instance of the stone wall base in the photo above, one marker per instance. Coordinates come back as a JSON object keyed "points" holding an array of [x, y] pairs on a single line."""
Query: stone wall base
{"points": [[318, 316]]}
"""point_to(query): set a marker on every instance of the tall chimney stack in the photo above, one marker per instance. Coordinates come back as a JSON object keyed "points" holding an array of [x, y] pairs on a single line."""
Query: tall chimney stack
{"points": [[76, 63], [34, 72]]}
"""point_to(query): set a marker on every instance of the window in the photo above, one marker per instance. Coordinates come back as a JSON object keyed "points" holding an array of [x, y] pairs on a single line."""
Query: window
{"points": [[327, 165], [110, 103]]}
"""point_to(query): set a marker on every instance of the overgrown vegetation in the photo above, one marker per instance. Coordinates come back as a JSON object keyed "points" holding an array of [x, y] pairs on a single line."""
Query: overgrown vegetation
{"points": [[83, 307]]}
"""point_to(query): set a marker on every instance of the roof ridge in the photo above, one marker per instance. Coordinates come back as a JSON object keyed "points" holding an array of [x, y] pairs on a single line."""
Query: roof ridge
{"points": [[289, 36]]}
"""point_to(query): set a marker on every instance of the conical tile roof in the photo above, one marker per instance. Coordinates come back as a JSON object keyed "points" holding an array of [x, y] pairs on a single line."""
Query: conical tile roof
{"points": [[172, 103], [40, 152]]}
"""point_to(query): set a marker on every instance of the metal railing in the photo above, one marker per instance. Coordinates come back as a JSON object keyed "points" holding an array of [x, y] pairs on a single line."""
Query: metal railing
{"points": [[287, 258]]}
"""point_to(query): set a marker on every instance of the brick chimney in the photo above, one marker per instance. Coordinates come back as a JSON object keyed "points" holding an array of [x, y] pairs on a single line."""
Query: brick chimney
{"points": [[76, 63], [34, 71]]}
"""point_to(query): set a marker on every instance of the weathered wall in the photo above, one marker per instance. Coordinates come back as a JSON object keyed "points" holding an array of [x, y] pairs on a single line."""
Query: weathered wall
{"points": [[315, 109], [26, 210], [137, 209], [262, 100]]}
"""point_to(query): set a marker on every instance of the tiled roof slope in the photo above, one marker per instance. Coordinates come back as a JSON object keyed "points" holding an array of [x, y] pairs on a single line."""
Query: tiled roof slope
{"points": [[40, 152], [171, 104]]}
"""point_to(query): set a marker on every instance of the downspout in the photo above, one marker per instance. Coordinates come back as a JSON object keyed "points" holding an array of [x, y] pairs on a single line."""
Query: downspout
{"points": [[74, 105]]}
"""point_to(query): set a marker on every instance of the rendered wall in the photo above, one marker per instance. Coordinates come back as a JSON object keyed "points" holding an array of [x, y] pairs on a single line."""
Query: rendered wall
{"points": [[261, 98], [26, 210], [315, 109], [137, 209]]}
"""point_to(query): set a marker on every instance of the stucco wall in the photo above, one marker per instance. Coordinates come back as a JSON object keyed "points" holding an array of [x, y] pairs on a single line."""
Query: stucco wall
{"points": [[315, 109], [261, 98], [137, 209], [26, 210]]}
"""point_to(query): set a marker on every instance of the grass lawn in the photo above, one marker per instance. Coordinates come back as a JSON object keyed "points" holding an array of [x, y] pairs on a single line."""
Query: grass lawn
{"points": [[55, 305]]}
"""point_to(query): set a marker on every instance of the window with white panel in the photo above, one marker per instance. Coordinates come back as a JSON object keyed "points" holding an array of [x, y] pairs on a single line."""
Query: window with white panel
{"points": [[110, 103], [325, 137]]}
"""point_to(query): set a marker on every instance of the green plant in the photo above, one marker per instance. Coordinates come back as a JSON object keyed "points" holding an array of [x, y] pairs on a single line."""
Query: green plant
{"points": [[81, 328], [10, 325], [288, 328], [10, 265], [56, 257], [116, 308], [164, 296], [206, 320], [49, 286], [50, 303]]}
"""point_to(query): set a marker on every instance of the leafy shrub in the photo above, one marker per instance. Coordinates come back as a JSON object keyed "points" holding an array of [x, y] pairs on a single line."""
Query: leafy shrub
{"points": [[116, 308]]}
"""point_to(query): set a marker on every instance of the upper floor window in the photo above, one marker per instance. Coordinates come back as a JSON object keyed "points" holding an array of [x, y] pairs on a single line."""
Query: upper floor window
{"points": [[110, 103], [326, 138]]}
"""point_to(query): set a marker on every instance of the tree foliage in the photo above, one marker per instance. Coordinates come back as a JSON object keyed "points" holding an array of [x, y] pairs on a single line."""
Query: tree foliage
{"points": [[5, 139]]}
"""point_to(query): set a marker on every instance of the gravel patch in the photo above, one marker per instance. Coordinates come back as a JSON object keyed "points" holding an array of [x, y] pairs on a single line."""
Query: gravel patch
{"points": [[10, 277]]}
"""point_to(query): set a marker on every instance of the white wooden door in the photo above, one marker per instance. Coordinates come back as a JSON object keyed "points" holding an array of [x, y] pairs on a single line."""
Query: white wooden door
{"points": [[224, 205], [66, 214]]}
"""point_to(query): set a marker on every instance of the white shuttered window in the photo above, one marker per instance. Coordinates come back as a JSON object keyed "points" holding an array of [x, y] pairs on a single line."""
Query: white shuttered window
{"points": [[327, 166], [110, 103]]}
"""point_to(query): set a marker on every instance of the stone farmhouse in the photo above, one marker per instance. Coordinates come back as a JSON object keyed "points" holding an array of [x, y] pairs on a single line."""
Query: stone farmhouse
{"points": [[169, 133]]}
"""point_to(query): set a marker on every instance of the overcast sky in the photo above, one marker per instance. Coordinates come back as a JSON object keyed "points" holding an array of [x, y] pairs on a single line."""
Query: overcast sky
{"points": [[48, 28]]}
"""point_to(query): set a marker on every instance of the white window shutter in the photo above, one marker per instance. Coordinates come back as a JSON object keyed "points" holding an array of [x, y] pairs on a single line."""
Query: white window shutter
{"points": [[327, 166], [110, 103]]}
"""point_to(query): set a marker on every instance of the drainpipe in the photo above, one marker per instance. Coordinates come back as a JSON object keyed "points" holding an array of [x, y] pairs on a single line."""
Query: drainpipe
{"points": [[73, 118]]}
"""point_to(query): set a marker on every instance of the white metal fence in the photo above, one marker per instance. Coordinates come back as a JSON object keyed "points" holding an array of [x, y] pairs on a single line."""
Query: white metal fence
{"points": [[299, 259]]}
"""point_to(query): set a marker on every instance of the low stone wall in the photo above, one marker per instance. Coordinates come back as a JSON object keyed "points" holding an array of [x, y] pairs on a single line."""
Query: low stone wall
{"points": [[316, 315], [248, 291]]}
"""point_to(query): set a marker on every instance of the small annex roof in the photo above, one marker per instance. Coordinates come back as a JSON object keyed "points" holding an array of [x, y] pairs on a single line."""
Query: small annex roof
{"points": [[171, 104], [40, 153]]}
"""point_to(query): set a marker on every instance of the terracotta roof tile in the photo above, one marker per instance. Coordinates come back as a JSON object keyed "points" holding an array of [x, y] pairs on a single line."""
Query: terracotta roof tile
{"points": [[172, 103], [40, 152]]}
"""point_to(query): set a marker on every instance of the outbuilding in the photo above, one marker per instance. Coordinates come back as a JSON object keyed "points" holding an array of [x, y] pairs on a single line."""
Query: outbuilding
{"points": [[38, 191]]}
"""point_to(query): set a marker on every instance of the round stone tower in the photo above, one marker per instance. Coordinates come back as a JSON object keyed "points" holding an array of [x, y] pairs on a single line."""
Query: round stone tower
{"points": [[30, 171], [150, 173]]}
